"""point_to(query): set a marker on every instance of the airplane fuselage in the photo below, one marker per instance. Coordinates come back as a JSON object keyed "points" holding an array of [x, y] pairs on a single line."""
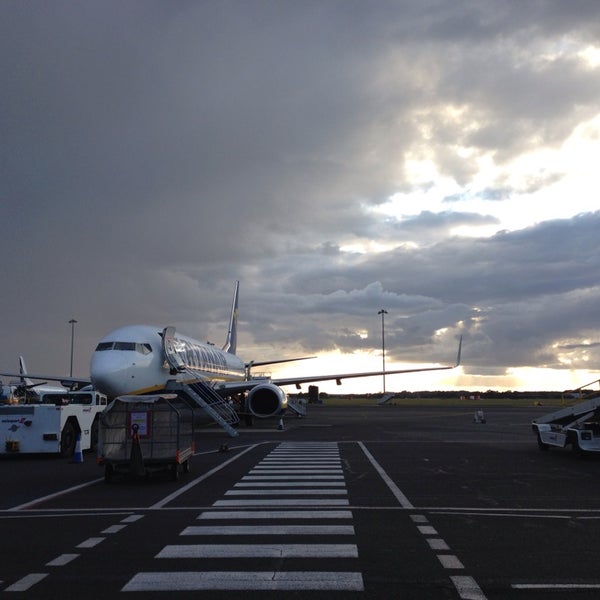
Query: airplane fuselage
{"points": [[131, 360]]}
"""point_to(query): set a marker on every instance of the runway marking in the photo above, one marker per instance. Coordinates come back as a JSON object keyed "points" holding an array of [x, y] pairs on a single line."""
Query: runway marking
{"points": [[295, 477], [286, 492], [402, 499], [276, 514], [320, 502], [556, 586], [245, 580], [437, 544], [132, 518], [54, 495], [427, 530], [259, 551], [269, 530], [467, 588], [449, 561], [287, 483], [114, 529], [26, 582], [62, 560], [91, 542], [298, 484]]}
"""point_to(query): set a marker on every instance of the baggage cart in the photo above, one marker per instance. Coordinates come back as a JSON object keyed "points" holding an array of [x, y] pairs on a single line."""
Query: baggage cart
{"points": [[140, 435]]}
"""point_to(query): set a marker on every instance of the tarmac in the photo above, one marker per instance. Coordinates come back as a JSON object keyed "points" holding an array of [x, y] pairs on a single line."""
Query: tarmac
{"points": [[353, 502]]}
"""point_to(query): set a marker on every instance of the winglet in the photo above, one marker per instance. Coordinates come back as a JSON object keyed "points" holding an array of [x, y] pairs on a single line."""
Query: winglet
{"points": [[459, 351], [231, 341]]}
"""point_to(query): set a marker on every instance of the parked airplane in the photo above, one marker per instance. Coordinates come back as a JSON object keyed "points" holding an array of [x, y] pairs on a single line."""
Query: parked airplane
{"points": [[28, 391], [141, 359]]}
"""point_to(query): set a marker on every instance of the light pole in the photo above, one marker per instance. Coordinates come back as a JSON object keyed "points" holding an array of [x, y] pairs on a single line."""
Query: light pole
{"points": [[383, 312], [72, 322]]}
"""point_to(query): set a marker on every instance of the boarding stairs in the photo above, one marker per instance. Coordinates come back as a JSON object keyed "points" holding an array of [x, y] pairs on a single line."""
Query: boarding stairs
{"points": [[213, 404], [298, 406]]}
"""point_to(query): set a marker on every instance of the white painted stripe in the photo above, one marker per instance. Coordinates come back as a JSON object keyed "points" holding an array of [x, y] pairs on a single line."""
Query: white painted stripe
{"points": [[294, 471], [284, 502], [427, 530], [302, 461], [26, 582], [419, 519], [402, 499], [114, 529], [269, 530], [304, 454], [259, 551], [314, 465], [275, 514], [91, 542], [286, 492], [437, 544], [132, 518], [62, 560], [449, 561], [291, 476], [556, 586], [467, 588], [298, 484], [245, 580]]}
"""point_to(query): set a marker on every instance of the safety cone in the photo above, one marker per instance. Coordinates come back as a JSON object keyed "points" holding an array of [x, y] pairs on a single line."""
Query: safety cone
{"points": [[78, 455], [280, 426]]}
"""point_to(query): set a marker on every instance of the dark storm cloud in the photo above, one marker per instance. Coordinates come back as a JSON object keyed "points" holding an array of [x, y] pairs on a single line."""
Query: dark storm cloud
{"points": [[153, 153]]}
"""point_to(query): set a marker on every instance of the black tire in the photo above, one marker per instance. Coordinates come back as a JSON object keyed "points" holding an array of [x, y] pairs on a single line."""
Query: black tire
{"points": [[175, 472], [94, 432], [68, 439], [186, 466], [577, 451]]}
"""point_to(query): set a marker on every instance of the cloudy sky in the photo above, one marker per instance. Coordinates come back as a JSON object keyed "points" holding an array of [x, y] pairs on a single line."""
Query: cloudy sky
{"points": [[439, 159]]}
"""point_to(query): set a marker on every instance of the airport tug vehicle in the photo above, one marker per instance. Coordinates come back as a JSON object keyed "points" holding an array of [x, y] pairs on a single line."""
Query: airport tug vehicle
{"points": [[577, 426], [54, 424]]}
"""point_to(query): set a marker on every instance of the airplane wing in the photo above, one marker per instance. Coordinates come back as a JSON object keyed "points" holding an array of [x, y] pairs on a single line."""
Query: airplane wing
{"points": [[68, 382], [246, 385]]}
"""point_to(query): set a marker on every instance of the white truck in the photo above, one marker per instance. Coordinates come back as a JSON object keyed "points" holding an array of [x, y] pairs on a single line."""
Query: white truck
{"points": [[577, 426], [52, 424]]}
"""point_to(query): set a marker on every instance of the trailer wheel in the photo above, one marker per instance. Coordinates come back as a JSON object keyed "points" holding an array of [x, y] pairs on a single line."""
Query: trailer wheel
{"points": [[175, 472], [94, 435], [541, 444], [577, 451], [67, 440], [186, 466]]}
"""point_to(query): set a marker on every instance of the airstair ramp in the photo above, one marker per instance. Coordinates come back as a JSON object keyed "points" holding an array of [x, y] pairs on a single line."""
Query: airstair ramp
{"points": [[298, 406], [213, 404]]}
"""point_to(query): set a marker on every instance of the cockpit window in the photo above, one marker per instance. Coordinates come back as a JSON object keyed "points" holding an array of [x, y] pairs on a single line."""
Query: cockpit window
{"points": [[142, 348], [104, 346]]}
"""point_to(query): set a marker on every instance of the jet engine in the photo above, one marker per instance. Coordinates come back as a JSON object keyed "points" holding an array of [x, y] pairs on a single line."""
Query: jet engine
{"points": [[266, 400]]}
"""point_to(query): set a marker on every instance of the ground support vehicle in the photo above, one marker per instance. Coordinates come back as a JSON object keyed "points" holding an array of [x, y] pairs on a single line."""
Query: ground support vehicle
{"points": [[577, 426], [143, 434], [53, 424]]}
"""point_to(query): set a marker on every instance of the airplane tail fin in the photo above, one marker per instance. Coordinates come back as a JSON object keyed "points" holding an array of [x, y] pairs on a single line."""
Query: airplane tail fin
{"points": [[231, 341], [23, 371]]}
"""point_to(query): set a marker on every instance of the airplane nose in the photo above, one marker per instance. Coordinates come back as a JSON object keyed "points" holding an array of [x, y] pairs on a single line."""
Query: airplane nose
{"points": [[109, 372]]}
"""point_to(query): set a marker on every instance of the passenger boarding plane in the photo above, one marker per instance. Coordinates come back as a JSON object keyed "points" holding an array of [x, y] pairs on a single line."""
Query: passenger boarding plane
{"points": [[141, 359]]}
